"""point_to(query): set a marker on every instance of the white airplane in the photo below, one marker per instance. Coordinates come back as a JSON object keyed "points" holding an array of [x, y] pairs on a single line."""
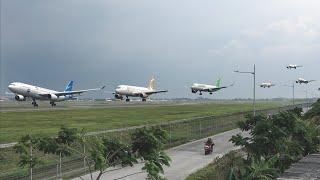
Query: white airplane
{"points": [[135, 91], [23, 91], [303, 81], [293, 66], [267, 85], [207, 88]]}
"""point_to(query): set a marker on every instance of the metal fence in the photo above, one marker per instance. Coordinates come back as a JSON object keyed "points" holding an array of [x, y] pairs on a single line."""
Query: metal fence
{"points": [[180, 131]]}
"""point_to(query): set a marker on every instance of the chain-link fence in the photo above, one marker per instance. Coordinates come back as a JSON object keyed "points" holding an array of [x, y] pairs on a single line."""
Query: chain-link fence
{"points": [[180, 132]]}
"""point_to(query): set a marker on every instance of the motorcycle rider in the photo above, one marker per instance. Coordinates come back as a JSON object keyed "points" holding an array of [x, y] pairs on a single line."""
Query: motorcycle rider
{"points": [[210, 143]]}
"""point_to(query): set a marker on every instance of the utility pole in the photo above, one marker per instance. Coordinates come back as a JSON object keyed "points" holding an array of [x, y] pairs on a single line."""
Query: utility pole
{"points": [[254, 86], [254, 90], [293, 93]]}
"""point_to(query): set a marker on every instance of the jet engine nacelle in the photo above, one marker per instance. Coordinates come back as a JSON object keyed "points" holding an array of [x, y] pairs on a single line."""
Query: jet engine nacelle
{"points": [[53, 97], [143, 95], [20, 98], [193, 91], [118, 96]]}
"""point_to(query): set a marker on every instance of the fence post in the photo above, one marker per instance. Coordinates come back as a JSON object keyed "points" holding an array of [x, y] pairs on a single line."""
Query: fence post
{"points": [[84, 157], [60, 162], [57, 171], [30, 146], [170, 134], [200, 128]]}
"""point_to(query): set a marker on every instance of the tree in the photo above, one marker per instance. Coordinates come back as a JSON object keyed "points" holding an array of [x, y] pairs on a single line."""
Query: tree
{"points": [[284, 135], [105, 153], [148, 144], [25, 148], [60, 145]]}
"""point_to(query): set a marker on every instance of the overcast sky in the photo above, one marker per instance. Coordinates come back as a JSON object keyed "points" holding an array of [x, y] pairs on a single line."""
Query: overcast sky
{"points": [[112, 42]]}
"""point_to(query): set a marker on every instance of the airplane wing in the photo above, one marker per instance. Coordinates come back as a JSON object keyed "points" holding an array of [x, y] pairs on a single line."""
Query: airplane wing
{"points": [[74, 92], [218, 88], [311, 80], [155, 92]]}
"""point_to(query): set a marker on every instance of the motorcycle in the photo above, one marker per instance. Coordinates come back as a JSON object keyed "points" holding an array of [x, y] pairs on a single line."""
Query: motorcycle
{"points": [[208, 149]]}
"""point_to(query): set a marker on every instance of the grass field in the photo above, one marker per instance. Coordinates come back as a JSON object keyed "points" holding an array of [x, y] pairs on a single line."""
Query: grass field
{"points": [[47, 122]]}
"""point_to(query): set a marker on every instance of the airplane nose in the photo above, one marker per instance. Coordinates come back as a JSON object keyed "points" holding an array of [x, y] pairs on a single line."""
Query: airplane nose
{"points": [[11, 87]]}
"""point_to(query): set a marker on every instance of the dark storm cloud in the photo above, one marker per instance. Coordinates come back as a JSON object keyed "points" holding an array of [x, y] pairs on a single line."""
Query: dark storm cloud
{"points": [[180, 42]]}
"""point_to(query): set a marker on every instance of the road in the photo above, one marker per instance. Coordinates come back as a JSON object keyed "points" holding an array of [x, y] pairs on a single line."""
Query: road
{"points": [[186, 159]]}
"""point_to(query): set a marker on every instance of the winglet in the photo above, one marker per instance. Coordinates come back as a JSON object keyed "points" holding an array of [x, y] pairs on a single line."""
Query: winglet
{"points": [[218, 82]]}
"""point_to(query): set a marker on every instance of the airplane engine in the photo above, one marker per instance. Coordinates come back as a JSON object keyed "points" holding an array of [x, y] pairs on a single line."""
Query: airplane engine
{"points": [[193, 91], [143, 95], [20, 98], [53, 97], [118, 96]]}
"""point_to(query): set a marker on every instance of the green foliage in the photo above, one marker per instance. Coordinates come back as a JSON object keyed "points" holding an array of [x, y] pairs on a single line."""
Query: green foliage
{"points": [[314, 111], [97, 155], [59, 145], [275, 142], [118, 153], [148, 144], [222, 168], [24, 148]]}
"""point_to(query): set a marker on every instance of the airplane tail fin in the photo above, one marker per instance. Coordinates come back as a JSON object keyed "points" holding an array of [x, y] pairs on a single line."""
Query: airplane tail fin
{"points": [[218, 83], [151, 84], [69, 86]]}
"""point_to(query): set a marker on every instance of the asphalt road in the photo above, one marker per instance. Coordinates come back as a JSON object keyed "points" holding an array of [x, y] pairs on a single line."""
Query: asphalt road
{"points": [[186, 159]]}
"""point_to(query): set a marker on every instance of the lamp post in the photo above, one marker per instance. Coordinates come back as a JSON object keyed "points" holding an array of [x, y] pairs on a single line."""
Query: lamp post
{"points": [[293, 96], [254, 86]]}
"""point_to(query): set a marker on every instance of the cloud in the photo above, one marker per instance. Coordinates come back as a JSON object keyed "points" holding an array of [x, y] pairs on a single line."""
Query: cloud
{"points": [[299, 36]]}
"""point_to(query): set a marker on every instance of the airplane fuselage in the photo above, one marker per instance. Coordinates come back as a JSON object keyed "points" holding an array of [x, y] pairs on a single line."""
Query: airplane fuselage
{"points": [[266, 85], [133, 91], [22, 90], [303, 81], [203, 87], [293, 66]]}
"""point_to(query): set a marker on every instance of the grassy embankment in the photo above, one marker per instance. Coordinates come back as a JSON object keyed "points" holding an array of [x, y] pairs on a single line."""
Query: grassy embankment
{"points": [[47, 122]]}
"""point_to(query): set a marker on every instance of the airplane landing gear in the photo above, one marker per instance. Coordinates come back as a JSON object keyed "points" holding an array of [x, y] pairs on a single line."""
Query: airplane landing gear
{"points": [[200, 93], [53, 104], [34, 103], [210, 93], [127, 100], [144, 100]]}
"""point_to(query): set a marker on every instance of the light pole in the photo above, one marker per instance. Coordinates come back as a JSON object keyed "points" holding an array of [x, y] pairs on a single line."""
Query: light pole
{"points": [[293, 96], [254, 86]]}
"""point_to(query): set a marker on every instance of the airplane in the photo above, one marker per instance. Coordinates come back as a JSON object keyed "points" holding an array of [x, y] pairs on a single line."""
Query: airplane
{"points": [[267, 85], [293, 66], [23, 91], [207, 88], [135, 91], [303, 81]]}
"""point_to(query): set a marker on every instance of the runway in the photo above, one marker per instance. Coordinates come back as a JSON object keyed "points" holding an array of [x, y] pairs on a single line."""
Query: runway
{"points": [[12, 106], [186, 159]]}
